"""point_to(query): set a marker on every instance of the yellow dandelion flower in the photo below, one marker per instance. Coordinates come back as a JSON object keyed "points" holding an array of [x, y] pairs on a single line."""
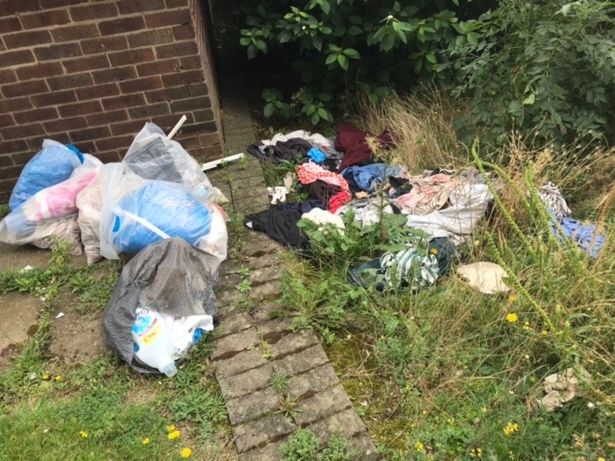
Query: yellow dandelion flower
{"points": [[512, 298], [58, 378], [601, 458], [512, 317], [476, 453], [510, 428], [171, 428], [45, 376], [174, 435], [544, 332], [434, 251], [146, 440], [83, 434], [484, 409], [418, 446], [186, 452], [526, 325]]}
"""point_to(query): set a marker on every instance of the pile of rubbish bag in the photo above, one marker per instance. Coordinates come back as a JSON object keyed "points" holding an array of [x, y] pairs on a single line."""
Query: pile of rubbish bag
{"points": [[158, 205], [343, 176]]}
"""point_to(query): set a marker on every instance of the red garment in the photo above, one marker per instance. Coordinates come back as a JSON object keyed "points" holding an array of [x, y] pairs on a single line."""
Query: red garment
{"points": [[351, 142], [310, 172]]}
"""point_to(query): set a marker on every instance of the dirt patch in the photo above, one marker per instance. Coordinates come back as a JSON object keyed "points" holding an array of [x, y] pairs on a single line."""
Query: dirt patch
{"points": [[18, 322], [76, 338], [14, 257]]}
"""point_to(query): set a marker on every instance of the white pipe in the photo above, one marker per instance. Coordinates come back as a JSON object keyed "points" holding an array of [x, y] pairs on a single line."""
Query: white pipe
{"points": [[177, 126]]}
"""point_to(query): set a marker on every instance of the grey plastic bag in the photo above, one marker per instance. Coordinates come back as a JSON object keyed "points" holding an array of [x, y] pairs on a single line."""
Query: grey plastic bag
{"points": [[171, 277]]}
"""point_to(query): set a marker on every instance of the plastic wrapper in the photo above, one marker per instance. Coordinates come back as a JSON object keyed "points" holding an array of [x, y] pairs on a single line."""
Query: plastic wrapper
{"points": [[170, 277], [53, 164]]}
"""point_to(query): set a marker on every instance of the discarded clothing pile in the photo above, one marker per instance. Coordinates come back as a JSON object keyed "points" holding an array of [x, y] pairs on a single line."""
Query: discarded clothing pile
{"points": [[158, 204], [442, 205], [584, 235]]}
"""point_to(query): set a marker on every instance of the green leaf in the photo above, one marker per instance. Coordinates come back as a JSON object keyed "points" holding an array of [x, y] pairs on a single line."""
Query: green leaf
{"points": [[252, 51], [326, 8], [331, 58], [268, 110], [529, 100], [355, 30], [284, 37], [387, 43], [472, 38], [317, 42], [352, 53], [261, 45], [245, 41], [342, 61], [314, 119], [431, 57]]}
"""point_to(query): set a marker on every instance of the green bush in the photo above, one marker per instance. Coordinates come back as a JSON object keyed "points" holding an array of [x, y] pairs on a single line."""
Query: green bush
{"points": [[544, 67]]}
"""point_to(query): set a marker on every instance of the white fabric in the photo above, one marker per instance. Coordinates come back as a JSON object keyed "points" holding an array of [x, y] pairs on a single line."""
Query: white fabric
{"points": [[313, 138], [486, 277], [278, 194], [322, 217]]}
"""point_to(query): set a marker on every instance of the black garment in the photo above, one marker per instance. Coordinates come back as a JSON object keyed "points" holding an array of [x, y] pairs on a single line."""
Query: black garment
{"points": [[280, 223], [323, 191], [293, 150]]}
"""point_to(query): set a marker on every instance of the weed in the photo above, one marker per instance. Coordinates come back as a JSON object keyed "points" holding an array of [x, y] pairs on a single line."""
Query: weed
{"points": [[279, 382], [288, 407], [304, 445], [4, 210]]}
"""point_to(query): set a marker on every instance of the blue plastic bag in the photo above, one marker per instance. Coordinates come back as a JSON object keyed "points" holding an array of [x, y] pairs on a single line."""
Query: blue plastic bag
{"points": [[53, 164], [155, 211]]}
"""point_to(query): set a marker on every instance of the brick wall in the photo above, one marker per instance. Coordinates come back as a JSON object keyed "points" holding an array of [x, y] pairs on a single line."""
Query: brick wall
{"points": [[91, 73]]}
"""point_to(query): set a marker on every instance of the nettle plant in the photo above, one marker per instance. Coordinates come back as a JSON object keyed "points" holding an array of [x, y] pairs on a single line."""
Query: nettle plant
{"points": [[342, 48], [543, 67]]}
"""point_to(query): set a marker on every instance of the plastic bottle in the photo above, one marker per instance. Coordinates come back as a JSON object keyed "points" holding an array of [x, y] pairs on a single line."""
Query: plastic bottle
{"points": [[152, 341]]}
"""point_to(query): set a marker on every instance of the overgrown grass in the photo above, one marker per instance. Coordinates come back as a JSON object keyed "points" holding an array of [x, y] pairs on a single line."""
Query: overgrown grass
{"points": [[441, 373]]}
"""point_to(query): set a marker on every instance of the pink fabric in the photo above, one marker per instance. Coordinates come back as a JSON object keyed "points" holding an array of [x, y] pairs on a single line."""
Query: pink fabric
{"points": [[59, 200], [427, 194], [308, 173]]}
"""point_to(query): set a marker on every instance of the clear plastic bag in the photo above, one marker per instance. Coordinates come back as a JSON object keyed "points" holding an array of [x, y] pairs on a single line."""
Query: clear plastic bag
{"points": [[152, 156], [53, 164], [89, 204]]}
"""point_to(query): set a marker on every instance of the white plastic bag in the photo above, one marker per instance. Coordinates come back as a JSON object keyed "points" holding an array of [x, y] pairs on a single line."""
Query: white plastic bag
{"points": [[89, 204], [216, 241]]}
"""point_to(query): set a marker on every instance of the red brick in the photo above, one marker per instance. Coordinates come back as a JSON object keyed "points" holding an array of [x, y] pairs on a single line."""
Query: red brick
{"points": [[141, 84], [199, 126], [165, 122], [107, 117], [176, 50], [13, 58], [131, 56], [36, 115], [70, 81], [150, 37], [183, 32], [121, 25], [24, 88], [168, 18], [203, 115], [178, 92], [102, 45], [110, 156], [9, 24], [10, 171], [56, 97], [80, 108], [126, 127], [117, 142], [40, 70], [97, 91], [86, 63], [120, 102], [69, 33], [149, 110], [57, 3], [24, 39], [15, 104], [159, 67], [18, 6], [176, 3], [65, 124], [6, 160], [90, 134], [208, 139], [22, 131], [187, 105], [93, 11], [35, 142], [115, 74], [139, 6], [190, 62], [6, 120], [179, 78], [45, 19], [10, 147], [7, 76], [22, 158], [67, 50]]}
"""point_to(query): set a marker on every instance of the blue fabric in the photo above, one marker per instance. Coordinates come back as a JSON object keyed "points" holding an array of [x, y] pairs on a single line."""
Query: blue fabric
{"points": [[366, 177], [167, 206], [51, 165], [584, 235], [316, 155]]}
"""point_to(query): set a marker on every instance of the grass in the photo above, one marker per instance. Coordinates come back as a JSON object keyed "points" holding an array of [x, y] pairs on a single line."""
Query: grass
{"points": [[101, 409], [441, 373]]}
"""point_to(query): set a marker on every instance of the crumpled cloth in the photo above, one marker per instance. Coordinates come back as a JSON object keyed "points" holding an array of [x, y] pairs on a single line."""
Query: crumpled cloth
{"points": [[486, 277], [428, 194], [316, 155], [366, 211], [366, 177], [560, 388], [322, 217], [584, 235], [308, 173], [554, 201], [352, 142]]}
